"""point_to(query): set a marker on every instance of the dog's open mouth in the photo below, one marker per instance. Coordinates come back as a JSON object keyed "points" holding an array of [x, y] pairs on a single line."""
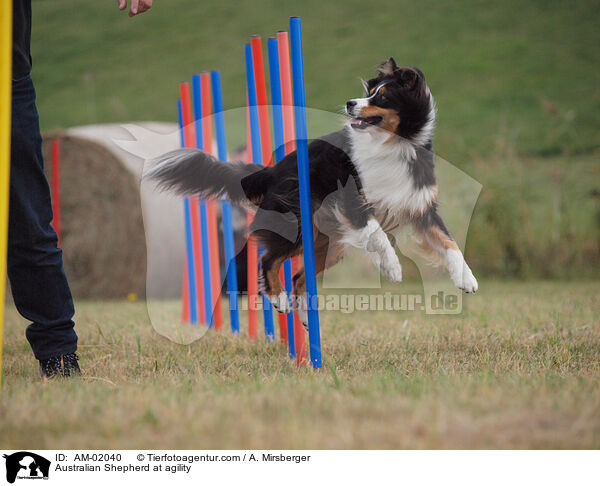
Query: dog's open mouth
{"points": [[361, 122]]}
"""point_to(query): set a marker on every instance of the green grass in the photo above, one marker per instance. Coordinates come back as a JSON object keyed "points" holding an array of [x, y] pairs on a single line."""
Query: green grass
{"points": [[536, 217], [518, 369], [518, 73]]}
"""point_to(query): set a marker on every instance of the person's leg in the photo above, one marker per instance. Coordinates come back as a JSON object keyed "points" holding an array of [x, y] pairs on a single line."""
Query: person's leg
{"points": [[35, 270]]}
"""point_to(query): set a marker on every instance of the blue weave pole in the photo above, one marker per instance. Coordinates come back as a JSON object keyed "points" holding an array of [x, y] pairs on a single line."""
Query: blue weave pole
{"points": [[276, 103], [314, 334], [230, 266], [257, 159], [189, 245], [208, 302]]}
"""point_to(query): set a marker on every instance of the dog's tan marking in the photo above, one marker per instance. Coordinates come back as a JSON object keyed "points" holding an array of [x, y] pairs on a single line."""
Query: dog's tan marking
{"points": [[390, 121], [325, 257], [273, 282], [435, 242], [440, 239]]}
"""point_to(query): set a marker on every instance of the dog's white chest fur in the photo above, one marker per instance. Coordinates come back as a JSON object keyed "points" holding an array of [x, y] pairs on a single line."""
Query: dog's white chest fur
{"points": [[386, 176]]}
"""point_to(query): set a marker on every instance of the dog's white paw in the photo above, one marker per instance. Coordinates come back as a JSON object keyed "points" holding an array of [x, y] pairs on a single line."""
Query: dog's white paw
{"points": [[280, 302], [469, 282], [460, 273], [392, 270]]}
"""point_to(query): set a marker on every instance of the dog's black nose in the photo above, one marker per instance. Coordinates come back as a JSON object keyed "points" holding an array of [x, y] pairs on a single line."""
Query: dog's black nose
{"points": [[350, 104]]}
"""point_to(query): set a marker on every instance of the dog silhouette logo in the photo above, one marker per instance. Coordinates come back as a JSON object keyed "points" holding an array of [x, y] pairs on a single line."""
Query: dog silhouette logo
{"points": [[26, 465]]}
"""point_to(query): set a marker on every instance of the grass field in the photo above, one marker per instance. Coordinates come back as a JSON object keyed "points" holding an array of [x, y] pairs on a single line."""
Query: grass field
{"points": [[517, 89], [520, 368]]}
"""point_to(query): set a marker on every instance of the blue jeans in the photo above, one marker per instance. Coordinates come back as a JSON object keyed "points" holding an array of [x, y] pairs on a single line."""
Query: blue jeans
{"points": [[35, 269]]}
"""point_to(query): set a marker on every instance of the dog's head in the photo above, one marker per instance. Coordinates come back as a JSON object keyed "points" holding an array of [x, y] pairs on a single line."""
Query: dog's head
{"points": [[397, 100]]}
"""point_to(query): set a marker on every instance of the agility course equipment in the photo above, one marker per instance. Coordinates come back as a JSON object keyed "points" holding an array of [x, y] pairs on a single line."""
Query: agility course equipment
{"points": [[5, 107], [286, 322], [283, 129], [289, 139], [289, 115], [259, 138], [252, 249], [210, 219], [265, 133], [314, 333], [228, 237], [201, 300], [193, 290]]}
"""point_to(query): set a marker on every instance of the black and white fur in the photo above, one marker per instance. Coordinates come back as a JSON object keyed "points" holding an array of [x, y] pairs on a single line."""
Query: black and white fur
{"points": [[367, 181]]}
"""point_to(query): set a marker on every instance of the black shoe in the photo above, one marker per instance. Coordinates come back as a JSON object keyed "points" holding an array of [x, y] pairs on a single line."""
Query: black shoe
{"points": [[65, 365], [70, 365], [51, 367]]}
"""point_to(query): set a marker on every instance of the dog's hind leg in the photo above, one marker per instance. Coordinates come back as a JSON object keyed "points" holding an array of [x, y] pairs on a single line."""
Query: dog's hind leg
{"points": [[299, 297], [270, 284], [326, 256], [277, 231]]}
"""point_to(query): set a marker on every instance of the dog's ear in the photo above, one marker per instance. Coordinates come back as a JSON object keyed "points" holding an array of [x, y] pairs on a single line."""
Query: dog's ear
{"points": [[388, 67], [408, 77], [419, 72]]}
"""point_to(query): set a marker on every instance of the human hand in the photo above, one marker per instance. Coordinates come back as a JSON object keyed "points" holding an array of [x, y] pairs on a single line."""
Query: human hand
{"points": [[137, 6]]}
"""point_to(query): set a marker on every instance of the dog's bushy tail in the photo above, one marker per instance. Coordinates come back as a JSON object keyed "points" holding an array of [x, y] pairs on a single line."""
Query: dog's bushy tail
{"points": [[191, 172]]}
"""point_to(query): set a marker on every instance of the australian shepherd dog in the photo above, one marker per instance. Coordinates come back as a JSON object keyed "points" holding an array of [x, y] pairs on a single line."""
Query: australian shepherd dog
{"points": [[367, 181]]}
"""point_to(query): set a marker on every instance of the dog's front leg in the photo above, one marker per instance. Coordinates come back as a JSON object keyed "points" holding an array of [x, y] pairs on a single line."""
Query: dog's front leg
{"points": [[373, 239], [435, 238], [362, 230]]}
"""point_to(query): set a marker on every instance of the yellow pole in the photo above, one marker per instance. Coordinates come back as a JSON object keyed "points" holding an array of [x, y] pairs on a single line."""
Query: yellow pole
{"points": [[5, 106]]}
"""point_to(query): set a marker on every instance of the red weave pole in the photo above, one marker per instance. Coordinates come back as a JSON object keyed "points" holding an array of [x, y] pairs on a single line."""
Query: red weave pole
{"points": [[283, 328], [185, 297], [56, 188], [299, 331], [197, 246], [251, 251], [265, 132], [252, 255], [189, 132], [189, 141], [262, 103], [185, 285], [211, 212], [289, 131], [289, 137]]}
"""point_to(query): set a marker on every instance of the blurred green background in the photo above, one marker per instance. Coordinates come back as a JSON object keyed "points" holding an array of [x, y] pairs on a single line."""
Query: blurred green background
{"points": [[517, 86]]}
